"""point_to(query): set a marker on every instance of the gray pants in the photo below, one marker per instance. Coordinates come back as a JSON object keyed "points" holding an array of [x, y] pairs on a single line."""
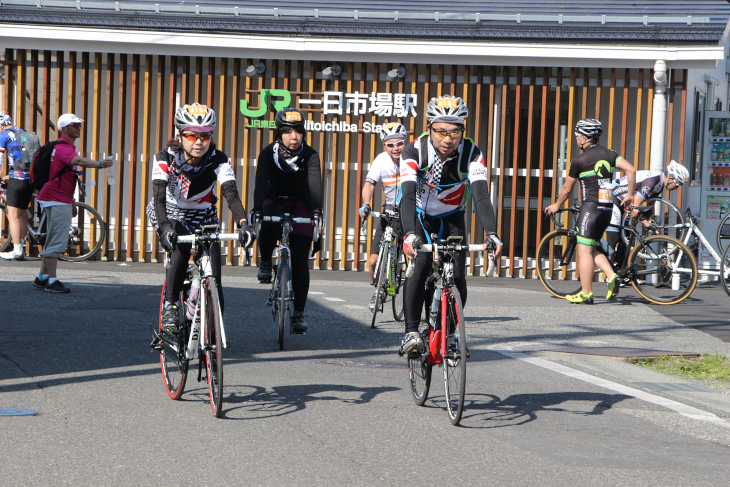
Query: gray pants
{"points": [[58, 222]]}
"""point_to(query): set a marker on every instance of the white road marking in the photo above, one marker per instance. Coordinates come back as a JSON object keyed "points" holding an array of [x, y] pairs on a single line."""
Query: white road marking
{"points": [[682, 409], [335, 299], [353, 306], [315, 292], [93, 285]]}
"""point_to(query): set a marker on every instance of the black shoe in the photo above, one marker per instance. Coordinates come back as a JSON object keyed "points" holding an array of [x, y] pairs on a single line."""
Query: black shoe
{"points": [[298, 325], [170, 319], [264, 273], [38, 284], [56, 287]]}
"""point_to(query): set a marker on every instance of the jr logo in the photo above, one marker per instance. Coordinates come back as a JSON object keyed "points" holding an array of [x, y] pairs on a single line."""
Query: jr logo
{"points": [[283, 100]]}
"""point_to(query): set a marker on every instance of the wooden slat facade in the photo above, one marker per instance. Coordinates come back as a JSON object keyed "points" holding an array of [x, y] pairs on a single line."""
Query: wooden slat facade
{"points": [[516, 115]]}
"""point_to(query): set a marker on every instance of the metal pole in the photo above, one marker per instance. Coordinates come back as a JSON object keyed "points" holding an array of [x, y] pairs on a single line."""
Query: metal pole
{"points": [[659, 117]]}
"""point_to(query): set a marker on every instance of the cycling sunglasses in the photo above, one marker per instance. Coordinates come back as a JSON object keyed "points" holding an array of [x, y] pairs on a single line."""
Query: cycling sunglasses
{"points": [[195, 137], [453, 133], [395, 144]]}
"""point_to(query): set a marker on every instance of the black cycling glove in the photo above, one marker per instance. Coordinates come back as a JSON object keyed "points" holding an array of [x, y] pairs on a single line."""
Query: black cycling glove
{"points": [[168, 237], [245, 235]]}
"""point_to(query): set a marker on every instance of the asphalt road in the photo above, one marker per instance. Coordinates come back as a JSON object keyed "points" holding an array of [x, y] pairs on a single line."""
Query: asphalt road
{"points": [[335, 407]]}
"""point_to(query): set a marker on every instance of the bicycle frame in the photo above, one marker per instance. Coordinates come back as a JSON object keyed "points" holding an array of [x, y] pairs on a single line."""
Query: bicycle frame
{"points": [[694, 230]]}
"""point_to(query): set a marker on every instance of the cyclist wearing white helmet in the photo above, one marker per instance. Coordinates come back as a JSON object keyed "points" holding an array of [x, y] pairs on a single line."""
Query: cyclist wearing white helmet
{"points": [[289, 180], [385, 169], [649, 184], [594, 169], [439, 172], [184, 199]]}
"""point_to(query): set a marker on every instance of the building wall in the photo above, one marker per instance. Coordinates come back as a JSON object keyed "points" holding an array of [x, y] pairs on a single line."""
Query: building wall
{"points": [[128, 100]]}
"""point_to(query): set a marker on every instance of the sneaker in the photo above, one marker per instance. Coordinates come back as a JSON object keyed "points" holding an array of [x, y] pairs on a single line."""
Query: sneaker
{"points": [[580, 298], [170, 319], [264, 273], [56, 287], [12, 255], [613, 287], [412, 345], [372, 301], [38, 284], [298, 325]]}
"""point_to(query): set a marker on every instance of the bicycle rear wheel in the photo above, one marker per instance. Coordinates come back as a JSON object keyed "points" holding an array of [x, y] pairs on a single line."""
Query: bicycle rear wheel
{"points": [[419, 373], [725, 270], [723, 233], [5, 238], [663, 270], [398, 279], [86, 226], [380, 282], [455, 356], [555, 261], [172, 356], [213, 347]]}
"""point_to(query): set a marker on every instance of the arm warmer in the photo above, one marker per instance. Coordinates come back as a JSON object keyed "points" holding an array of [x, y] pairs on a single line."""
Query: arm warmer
{"points": [[314, 180], [408, 207], [159, 190], [261, 185], [480, 193], [234, 201]]}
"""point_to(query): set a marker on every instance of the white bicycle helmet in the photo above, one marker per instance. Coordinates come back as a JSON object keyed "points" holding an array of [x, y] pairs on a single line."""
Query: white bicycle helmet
{"points": [[393, 130], [195, 118], [5, 119], [448, 109], [590, 127], [678, 172]]}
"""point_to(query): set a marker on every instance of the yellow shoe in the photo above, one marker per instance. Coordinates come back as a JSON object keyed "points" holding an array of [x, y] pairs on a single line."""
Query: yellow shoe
{"points": [[613, 287], [580, 298]]}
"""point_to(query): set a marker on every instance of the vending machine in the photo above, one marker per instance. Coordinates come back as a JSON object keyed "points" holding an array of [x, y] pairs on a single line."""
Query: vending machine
{"points": [[715, 176]]}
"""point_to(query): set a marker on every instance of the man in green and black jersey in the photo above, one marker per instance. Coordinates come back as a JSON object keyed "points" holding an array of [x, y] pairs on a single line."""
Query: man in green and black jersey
{"points": [[594, 169]]}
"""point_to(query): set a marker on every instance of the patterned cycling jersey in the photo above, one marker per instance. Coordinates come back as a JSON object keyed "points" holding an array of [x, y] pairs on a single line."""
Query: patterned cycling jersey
{"points": [[385, 170], [594, 168], [11, 148], [649, 184], [442, 187]]}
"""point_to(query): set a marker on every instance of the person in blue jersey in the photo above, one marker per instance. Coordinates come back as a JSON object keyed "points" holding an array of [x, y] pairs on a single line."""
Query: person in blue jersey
{"points": [[19, 191]]}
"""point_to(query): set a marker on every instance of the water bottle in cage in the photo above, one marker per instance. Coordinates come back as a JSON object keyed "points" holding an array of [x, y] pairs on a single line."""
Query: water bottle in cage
{"points": [[193, 298]]}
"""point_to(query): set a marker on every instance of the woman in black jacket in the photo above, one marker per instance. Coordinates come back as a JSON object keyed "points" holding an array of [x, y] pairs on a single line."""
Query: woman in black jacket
{"points": [[289, 180]]}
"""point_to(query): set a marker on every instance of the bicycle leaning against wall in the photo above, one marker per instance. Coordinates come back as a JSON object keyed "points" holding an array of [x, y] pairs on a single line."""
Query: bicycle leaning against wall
{"points": [[85, 236]]}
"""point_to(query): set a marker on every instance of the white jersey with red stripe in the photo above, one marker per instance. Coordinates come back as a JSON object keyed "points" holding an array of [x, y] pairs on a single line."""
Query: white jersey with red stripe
{"points": [[387, 171]]}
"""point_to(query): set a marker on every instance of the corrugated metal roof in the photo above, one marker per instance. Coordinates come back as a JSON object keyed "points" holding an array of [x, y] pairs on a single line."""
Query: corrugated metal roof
{"points": [[652, 22]]}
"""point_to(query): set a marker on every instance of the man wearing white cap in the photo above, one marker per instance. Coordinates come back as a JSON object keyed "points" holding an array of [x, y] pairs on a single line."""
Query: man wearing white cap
{"points": [[56, 198]]}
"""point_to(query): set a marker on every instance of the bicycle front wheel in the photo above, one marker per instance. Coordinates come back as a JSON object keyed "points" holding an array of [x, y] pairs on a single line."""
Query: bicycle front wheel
{"points": [[380, 282], [454, 355], [172, 356], [213, 347], [723, 233], [398, 279], [555, 263], [725, 270], [86, 235], [282, 304], [663, 270]]}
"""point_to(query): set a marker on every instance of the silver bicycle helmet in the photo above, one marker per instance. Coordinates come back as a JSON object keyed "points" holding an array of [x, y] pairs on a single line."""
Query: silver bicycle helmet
{"points": [[195, 118], [590, 127], [678, 172], [393, 130], [448, 109], [5, 119]]}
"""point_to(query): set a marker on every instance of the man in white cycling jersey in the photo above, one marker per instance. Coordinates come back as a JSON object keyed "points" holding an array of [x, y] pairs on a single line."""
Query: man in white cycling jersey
{"points": [[385, 169]]}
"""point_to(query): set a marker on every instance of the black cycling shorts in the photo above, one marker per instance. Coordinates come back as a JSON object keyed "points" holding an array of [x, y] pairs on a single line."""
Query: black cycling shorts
{"points": [[592, 222], [19, 194]]}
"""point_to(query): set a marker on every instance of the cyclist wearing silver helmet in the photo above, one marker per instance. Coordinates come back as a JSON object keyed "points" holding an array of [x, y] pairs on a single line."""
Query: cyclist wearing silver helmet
{"points": [[594, 169], [385, 169], [439, 172], [184, 178], [288, 180], [649, 184]]}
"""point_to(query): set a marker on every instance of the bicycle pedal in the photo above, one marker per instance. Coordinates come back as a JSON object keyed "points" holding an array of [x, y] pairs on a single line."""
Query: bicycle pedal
{"points": [[157, 345]]}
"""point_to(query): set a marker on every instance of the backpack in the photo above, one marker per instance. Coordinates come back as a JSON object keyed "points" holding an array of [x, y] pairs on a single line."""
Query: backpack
{"points": [[40, 166], [29, 144]]}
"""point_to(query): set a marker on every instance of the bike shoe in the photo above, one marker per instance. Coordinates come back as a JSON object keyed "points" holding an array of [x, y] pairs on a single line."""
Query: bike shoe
{"points": [[12, 255], [613, 287], [580, 298], [170, 319], [298, 326], [412, 345], [264, 274]]}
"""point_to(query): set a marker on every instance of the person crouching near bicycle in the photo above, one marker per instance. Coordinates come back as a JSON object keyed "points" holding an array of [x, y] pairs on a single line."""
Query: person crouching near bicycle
{"points": [[594, 169], [386, 169], [288, 180], [19, 192], [439, 171], [57, 199], [649, 184], [184, 200]]}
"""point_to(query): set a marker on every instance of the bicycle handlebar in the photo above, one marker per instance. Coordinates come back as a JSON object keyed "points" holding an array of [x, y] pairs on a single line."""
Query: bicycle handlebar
{"points": [[448, 247], [380, 214], [213, 236], [315, 236]]}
